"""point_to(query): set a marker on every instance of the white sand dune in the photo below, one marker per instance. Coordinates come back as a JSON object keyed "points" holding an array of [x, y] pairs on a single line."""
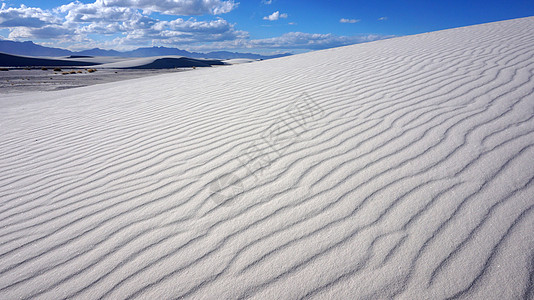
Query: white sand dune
{"points": [[98, 60], [399, 168], [161, 62], [10, 60], [236, 61], [154, 62]]}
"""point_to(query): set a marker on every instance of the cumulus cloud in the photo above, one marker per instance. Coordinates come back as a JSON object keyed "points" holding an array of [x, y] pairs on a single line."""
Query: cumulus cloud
{"points": [[125, 24], [111, 17], [176, 7], [26, 16], [192, 25], [182, 32], [382, 18], [275, 16], [97, 18], [301, 40], [96, 12], [351, 21], [46, 32], [293, 40]]}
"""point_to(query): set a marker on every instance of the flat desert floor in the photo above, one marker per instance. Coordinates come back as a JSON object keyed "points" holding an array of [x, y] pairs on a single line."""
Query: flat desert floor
{"points": [[36, 80]]}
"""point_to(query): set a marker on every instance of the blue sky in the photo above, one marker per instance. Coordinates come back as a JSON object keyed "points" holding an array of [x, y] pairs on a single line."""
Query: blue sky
{"points": [[260, 26]]}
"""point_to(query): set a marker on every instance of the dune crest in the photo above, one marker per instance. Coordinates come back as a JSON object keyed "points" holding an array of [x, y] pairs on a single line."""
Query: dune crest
{"points": [[400, 168]]}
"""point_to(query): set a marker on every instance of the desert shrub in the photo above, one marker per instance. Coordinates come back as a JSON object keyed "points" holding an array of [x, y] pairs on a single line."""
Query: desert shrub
{"points": [[57, 69], [4, 69], [44, 68], [91, 70], [72, 72]]}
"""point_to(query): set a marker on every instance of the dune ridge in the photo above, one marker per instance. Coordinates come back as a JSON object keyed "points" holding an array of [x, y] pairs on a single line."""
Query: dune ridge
{"points": [[9, 60], [398, 168], [154, 62]]}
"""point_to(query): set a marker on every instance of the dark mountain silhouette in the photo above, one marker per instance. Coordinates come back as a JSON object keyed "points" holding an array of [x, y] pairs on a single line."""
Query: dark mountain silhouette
{"points": [[158, 51], [32, 49], [97, 52]]}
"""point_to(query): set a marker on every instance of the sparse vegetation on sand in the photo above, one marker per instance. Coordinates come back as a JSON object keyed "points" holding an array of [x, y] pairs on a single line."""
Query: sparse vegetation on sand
{"points": [[77, 72]]}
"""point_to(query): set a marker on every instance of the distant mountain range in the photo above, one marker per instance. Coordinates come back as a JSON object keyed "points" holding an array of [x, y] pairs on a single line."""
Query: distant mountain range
{"points": [[31, 49]]}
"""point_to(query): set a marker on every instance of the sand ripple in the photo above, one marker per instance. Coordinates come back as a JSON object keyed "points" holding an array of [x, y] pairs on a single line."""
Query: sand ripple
{"points": [[397, 168]]}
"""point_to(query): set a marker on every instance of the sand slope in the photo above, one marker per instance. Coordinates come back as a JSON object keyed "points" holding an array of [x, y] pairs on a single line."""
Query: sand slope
{"points": [[155, 62], [9, 60], [161, 62], [398, 168]]}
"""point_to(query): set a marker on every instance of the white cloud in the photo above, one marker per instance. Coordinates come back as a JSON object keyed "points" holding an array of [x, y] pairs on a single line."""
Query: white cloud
{"points": [[96, 18], [96, 12], [267, 2], [351, 21], [176, 7], [382, 18], [214, 27], [275, 16], [120, 26], [26, 16], [300, 40], [46, 32], [181, 31], [78, 20], [292, 40]]}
